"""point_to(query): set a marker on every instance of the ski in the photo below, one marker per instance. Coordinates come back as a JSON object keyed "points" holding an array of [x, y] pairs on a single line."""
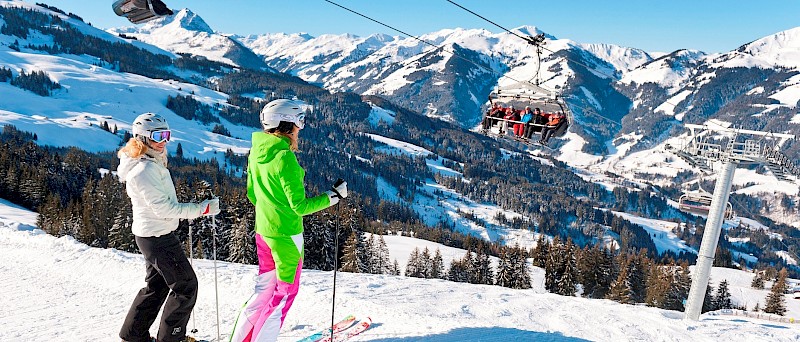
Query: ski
{"points": [[347, 334], [337, 327]]}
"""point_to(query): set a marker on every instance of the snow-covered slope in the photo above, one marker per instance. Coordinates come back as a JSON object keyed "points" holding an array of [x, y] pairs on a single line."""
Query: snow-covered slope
{"points": [[77, 293], [92, 95], [186, 32]]}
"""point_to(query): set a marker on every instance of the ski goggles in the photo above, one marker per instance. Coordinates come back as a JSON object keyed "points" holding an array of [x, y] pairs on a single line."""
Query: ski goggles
{"points": [[160, 136]]}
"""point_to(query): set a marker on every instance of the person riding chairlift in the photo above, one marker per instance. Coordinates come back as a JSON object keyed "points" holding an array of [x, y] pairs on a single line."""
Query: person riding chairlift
{"points": [[509, 115], [557, 120], [524, 127], [491, 114]]}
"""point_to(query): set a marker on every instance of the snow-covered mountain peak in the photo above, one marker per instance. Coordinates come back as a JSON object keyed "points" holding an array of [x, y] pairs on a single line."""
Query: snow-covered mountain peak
{"points": [[782, 48], [530, 30], [622, 58], [187, 32], [187, 20]]}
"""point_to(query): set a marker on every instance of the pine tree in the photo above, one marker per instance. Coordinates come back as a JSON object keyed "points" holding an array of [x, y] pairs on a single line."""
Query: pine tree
{"points": [[521, 277], [776, 301], [459, 271], [539, 253], [504, 270], [722, 300], [621, 287], [120, 235], [370, 256], [241, 246], [350, 260], [395, 268], [426, 264], [658, 285], [437, 265], [637, 276], [758, 281], [568, 280], [414, 265], [482, 268], [708, 300], [679, 288], [553, 267]]}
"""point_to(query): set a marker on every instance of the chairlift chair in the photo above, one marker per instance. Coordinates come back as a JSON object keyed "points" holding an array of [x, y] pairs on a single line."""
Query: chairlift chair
{"points": [[140, 11], [521, 95], [699, 203]]}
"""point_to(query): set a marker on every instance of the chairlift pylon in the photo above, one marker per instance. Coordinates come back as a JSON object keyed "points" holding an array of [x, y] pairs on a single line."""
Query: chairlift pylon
{"points": [[140, 11]]}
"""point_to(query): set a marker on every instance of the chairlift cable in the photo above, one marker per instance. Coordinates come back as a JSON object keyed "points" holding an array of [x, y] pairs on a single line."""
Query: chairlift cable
{"points": [[528, 39], [463, 58], [423, 41]]}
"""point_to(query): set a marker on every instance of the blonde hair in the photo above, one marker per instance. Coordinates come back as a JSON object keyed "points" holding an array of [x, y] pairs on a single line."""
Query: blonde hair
{"points": [[292, 140], [286, 129], [135, 148]]}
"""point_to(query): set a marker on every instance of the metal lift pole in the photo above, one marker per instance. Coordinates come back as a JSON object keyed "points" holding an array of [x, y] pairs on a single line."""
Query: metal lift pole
{"points": [[708, 247]]}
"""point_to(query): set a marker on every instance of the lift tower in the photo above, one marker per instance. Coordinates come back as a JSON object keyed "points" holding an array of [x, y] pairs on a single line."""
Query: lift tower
{"points": [[716, 146]]}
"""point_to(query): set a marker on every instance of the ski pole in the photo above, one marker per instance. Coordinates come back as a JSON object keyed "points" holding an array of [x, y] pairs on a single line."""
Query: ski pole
{"points": [[191, 262], [336, 251], [214, 256], [214, 249]]}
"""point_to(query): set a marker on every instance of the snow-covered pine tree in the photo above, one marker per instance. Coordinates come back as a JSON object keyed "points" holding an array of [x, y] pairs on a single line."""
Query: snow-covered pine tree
{"points": [[120, 235], [459, 271], [621, 287], [426, 264], [539, 253], [414, 267], [776, 301], [521, 277], [319, 234], [722, 300], [758, 281], [395, 268], [708, 300], [380, 257], [637, 276], [553, 266], [569, 275], [350, 259], [241, 239], [87, 231], [504, 269], [679, 288], [437, 265], [49, 218], [369, 258]]}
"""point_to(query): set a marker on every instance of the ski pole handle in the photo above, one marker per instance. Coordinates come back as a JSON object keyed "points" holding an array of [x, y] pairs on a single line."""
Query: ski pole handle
{"points": [[338, 182]]}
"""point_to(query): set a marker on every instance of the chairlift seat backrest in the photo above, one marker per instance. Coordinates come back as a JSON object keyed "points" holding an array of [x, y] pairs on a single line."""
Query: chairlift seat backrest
{"points": [[140, 11]]}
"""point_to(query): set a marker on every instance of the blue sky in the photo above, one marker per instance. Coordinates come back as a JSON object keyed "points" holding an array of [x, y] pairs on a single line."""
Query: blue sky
{"points": [[663, 26]]}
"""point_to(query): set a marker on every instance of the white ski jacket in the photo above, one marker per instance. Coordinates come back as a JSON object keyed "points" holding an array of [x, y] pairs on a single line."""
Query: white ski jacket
{"points": [[156, 210]]}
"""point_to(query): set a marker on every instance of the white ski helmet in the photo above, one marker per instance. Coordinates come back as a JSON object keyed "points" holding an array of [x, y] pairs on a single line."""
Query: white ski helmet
{"points": [[283, 110], [147, 123]]}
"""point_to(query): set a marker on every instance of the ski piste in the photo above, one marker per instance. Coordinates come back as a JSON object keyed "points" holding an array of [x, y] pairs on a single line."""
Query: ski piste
{"points": [[349, 333], [337, 327]]}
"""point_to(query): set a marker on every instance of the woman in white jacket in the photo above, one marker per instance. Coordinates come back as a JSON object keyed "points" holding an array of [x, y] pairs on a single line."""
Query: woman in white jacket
{"points": [[156, 212]]}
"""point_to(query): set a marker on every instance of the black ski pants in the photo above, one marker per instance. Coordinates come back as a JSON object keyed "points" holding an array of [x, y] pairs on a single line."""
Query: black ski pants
{"points": [[167, 269]]}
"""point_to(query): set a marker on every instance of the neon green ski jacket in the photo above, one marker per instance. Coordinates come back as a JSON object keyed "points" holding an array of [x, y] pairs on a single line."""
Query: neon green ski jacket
{"points": [[275, 187]]}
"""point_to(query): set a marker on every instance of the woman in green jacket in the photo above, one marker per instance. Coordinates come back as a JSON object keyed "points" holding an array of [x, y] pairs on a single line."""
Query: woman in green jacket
{"points": [[275, 187]]}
